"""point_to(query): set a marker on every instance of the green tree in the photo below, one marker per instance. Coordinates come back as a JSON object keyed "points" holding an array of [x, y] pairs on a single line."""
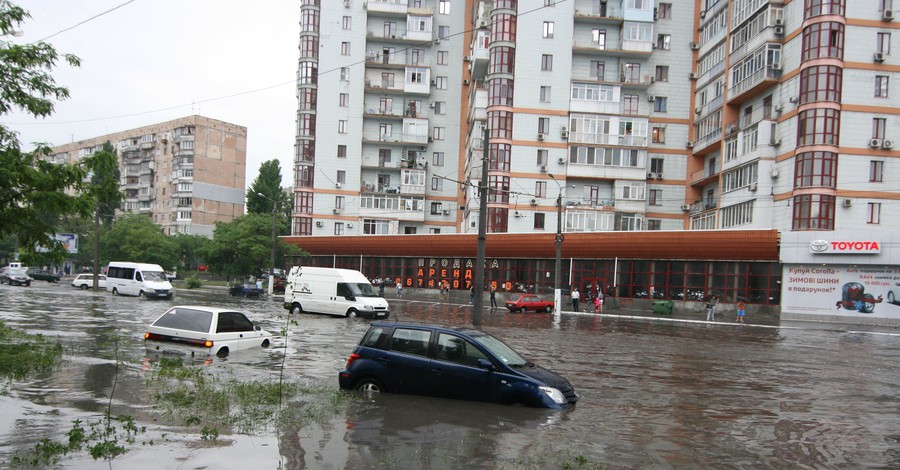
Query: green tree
{"points": [[243, 246], [266, 190], [36, 193], [191, 249], [103, 172], [136, 238]]}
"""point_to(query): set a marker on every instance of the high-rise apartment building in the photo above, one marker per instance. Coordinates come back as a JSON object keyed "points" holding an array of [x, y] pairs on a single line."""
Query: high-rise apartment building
{"points": [[602, 115], [186, 174]]}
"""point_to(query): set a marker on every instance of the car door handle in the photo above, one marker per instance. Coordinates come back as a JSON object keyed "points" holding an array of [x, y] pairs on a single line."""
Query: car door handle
{"points": [[437, 371]]}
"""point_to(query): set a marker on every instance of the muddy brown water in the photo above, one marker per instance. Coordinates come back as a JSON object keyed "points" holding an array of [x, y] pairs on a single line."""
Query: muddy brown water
{"points": [[653, 393]]}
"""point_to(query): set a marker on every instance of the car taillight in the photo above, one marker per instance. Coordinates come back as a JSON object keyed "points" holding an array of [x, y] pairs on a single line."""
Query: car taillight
{"points": [[352, 358], [208, 344]]}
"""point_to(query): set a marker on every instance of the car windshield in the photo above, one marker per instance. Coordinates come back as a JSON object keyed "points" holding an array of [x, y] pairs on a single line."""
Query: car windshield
{"points": [[18, 271], [503, 352], [362, 289], [155, 276]]}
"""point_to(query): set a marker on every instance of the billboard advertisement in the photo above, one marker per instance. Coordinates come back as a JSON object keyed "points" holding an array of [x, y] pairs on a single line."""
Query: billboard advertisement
{"points": [[843, 290]]}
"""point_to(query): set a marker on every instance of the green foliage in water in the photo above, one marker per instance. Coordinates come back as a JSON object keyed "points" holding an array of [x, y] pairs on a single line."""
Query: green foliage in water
{"points": [[193, 282], [22, 354]]}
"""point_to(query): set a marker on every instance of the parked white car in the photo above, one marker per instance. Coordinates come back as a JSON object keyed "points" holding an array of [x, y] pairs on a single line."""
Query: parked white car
{"points": [[86, 281], [197, 330]]}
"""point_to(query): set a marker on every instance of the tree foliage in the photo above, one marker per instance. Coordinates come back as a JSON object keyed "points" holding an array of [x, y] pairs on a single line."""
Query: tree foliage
{"points": [[136, 238], [191, 249], [266, 190], [34, 195], [103, 171], [243, 246]]}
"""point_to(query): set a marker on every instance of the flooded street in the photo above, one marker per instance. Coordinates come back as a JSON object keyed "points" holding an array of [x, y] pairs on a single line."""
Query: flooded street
{"points": [[653, 394]]}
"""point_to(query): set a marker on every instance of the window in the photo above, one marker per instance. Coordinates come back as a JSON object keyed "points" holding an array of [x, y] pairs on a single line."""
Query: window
{"points": [[654, 224], [818, 126], [437, 158], [873, 215], [344, 100], [659, 135], [376, 227], [345, 48], [543, 125], [881, 86], [440, 107], [820, 83], [885, 5], [502, 60], [443, 32], [339, 202], [342, 151], [630, 104], [540, 189], [444, 7], [598, 36], [434, 230], [824, 7], [437, 183], [539, 220], [815, 169], [662, 73], [876, 171], [545, 94], [438, 133], [500, 92], [440, 83], [883, 44], [655, 197], [442, 57], [548, 29], [387, 80], [546, 62], [879, 126], [813, 212], [659, 104], [342, 127], [338, 228], [664, 11], [345, 74], [821, 40], [656, 165], [598, 69], [664, 41], [385, 105], [435, 208], [345, 23], [341, 176], [542, 156]]}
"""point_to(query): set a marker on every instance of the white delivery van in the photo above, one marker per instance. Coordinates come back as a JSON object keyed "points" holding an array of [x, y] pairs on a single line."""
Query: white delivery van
{"points": [[332, 291], [140, 279]]}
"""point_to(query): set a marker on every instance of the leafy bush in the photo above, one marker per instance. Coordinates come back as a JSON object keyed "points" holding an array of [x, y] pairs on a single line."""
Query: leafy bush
{"points": [[193, 282]]}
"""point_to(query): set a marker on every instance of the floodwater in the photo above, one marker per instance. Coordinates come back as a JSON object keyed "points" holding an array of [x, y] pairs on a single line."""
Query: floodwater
{"points": [[653, 393]]}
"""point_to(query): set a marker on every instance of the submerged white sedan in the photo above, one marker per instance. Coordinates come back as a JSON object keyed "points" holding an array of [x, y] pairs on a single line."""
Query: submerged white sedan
{"points": [[86, 281], [207, 331]]}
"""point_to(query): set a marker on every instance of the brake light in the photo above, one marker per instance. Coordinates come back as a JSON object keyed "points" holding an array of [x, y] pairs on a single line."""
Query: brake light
{"points": [[208, 344], [350, 359]]}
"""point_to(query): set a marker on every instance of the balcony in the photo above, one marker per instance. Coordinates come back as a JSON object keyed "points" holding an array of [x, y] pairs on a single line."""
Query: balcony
{"points": [[387, 7], [479, 56], [478, 101], [634, 49], [704, 176], [377, 85], [380, 60], [704, 144], [411, 209], [607, 139], [399, 138], [603, 13]]}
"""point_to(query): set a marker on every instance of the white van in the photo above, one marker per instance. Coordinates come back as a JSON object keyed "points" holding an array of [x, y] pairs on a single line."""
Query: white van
{"points": [[343, 292], [140, 279]]}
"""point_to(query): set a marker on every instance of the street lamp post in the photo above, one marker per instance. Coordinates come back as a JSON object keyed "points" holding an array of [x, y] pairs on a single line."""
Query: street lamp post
{"points": [[274, 239], [557, 278]]}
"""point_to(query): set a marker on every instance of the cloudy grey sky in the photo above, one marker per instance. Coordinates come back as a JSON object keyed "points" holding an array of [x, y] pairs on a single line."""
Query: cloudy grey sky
{"points": [[154, 60]]}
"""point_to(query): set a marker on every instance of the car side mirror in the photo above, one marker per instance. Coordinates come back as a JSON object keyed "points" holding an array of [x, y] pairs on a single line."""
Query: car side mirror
{"points": [[350, 298], [257, 328], [486, 365]]}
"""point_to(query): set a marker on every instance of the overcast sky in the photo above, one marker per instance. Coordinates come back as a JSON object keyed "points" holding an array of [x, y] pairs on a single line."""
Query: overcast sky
{"points": [[150, 61]]}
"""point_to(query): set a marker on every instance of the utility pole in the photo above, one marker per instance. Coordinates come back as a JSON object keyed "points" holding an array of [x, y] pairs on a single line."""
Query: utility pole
{"points": [[478, 301]]}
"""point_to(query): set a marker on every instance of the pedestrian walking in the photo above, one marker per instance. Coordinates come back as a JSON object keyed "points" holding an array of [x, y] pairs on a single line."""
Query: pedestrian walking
{"points": [[711, 308], [381, 288], [400, 288], [598, 302], [741, 311], [575, 297], [472, 294], [493, 296]]}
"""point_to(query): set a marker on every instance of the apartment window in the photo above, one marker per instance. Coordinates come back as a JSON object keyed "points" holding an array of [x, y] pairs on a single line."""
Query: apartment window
{"points": [[873, 215], [598, 69], [345, 22], [345, 48], [540, 189], [542, 156], [435, 208], [662, 73], [444, 7], [443, 32], [881, 86], [502, 60], [813, 212], [544, 125], [883, 43], [438, 133], [437, 158], [545, 94], [440, 83], [442, 57], [598, 36], [815, 169], [342, 151], [341, 177], [655, 197], [876, 171], [387, 80], [879, 126], [344, 100], [385, 105], [664, 41], [546, 62], [818, 127], [342, 127], [824, 7], [548, 29], [345, 74], [660, 104], [659, 135], [415, 76], [630, 104], [500, 92], [539, 218], [820, 83], [437, 183], [338, 228], [654, 224], [885, 5], [664, 11], [434, 230]]}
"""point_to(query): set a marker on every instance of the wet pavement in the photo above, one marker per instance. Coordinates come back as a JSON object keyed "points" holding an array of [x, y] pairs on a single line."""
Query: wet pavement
{"points": [[671, 392]]}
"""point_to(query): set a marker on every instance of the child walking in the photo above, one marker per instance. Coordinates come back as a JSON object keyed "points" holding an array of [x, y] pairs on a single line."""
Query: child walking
{"points": [[598, 304], [741, 311]]}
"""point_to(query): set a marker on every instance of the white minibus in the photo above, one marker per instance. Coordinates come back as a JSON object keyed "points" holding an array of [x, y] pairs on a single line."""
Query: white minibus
{"points": [[139, 279]]}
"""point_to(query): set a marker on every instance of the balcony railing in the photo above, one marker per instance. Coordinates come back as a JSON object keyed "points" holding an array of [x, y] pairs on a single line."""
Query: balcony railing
{"points": [[607, 139]]}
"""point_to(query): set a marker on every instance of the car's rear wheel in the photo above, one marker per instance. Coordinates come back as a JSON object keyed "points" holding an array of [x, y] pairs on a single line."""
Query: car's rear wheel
{"points": [[265, 343], [115, 291], [369, 385], [84, 287], [548, 309], [296, 309], [223, 352]]}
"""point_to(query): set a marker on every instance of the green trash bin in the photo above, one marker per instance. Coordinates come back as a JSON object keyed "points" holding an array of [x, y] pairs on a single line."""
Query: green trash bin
{"points": [[663, 306]]}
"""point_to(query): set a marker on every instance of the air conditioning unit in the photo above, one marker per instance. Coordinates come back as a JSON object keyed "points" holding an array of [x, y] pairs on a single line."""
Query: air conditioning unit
{"points": [[446, 211], [779, 22], [887, 15], [430, 139], [337, 185], [433, 82], [656, 13], [437, 41], [847, 202], [564, 134], [752, 187], [778, 108], [651, 176], [775, 142], [776, 66], [337, 210], [467, 58], [349, 225], [685, 207], [484, 23], [651, 98], [466, 82], [875, 143], [540, 137], [689, 145], [887, 144], [698, 110], [692, 76], [346, 3], [431, 105], [534, 202], [318, 223], [731, 129], [779, 30], [793, 99], [775, 174], [659, 176], [695, 46], [543, 168], [702, 14], [879, 57], [561, 160]]}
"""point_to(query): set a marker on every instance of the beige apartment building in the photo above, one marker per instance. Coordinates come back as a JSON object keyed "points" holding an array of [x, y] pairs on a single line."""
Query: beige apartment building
{"points": [[185, 174]]}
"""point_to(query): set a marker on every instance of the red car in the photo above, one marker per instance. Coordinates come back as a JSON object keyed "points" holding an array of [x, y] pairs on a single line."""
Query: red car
{"points": [[526, 302]]}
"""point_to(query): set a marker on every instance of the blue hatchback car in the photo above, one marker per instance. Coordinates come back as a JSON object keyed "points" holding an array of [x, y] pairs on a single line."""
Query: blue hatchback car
{"points": [[450, 362]]}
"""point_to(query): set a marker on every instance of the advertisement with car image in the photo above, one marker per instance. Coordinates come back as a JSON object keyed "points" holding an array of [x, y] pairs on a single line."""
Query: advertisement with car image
{"points": [[842, 290]]}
